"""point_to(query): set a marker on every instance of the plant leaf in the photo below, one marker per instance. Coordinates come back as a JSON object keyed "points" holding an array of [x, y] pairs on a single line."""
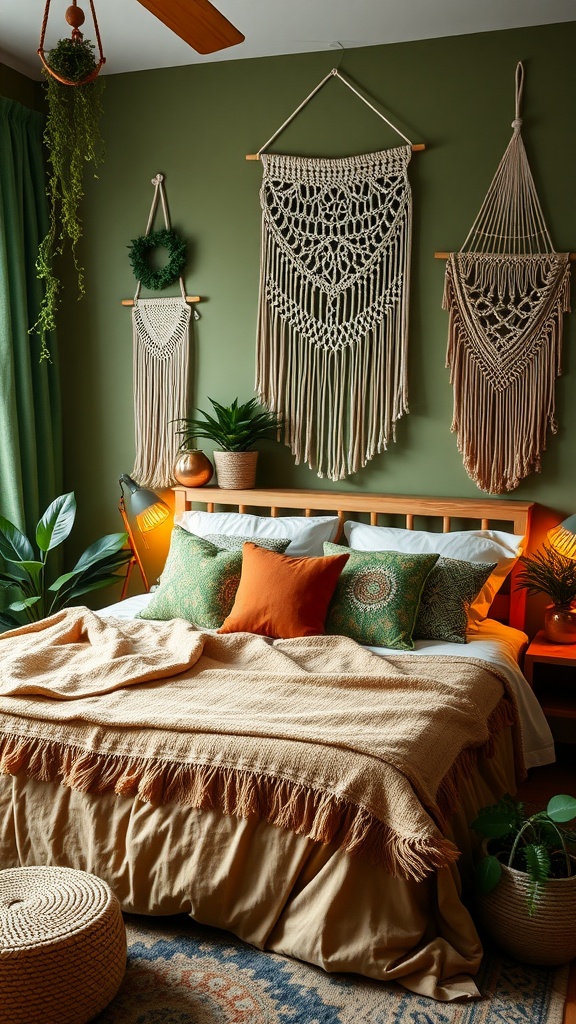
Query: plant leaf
{"points": [[498, 820], [538, 870], [13, 542], [102, 548], [488, 872], [27, 602], [57, 522], [561, 808]]}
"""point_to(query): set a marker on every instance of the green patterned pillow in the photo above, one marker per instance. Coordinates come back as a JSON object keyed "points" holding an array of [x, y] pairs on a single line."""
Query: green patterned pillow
{"points": [[198, 582], [226, 542], [377, 596], [448, 593]]}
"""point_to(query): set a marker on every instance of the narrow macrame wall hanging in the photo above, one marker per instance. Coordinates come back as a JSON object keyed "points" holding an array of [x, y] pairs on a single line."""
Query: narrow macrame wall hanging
{"points": [[161, 339], [506, 291], [333, 308]]}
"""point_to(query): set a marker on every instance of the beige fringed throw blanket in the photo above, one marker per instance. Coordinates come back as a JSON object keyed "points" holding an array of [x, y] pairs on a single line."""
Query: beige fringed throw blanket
{"points": [[316, 735]]}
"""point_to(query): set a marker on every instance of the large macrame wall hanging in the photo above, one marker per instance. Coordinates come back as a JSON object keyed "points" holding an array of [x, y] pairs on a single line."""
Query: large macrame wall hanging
{"points": [[333, 305], [161, 329], [506, 291]]}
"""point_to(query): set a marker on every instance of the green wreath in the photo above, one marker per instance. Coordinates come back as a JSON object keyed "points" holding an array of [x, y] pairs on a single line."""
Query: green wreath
{"points": [[139, 251]]}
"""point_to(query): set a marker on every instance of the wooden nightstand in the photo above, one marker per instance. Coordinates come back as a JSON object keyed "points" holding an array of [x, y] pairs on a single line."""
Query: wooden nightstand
{"points": [[551, 671]]}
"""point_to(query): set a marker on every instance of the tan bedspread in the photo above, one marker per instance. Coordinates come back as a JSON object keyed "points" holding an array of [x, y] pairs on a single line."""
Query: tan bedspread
{"points": [[315, 735]]}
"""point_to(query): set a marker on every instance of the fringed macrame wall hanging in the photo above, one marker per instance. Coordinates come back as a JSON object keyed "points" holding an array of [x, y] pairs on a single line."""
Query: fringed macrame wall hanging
{"points": [[161, 340], [333, 306], [506, 291]]}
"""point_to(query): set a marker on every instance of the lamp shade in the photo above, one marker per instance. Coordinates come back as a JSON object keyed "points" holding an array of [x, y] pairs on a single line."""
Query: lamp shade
{"points": [[148, 509], [563, 537]]}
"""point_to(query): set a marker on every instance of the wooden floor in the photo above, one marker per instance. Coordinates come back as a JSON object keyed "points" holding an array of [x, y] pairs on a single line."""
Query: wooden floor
{"points": [[541, 784]]}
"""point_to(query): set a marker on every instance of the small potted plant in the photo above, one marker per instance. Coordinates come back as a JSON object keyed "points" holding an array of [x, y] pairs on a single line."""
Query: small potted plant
{"points": [[236, 429], [554, 574], [526, 879]]}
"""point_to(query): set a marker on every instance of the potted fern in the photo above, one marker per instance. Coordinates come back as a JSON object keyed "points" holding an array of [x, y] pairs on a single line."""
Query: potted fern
{"points": [[526, 879], [235, 429], [552, 573]]}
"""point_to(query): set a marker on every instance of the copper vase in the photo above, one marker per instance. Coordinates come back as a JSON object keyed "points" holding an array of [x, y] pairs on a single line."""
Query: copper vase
{"points": [[193, 468], [560, 624]]}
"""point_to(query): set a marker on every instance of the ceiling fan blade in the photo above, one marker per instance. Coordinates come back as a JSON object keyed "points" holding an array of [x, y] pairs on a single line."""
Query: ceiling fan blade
{"points": [[197, 22]]}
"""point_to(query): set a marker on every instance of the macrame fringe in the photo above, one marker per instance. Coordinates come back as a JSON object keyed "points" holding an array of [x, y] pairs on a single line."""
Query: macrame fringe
{"points": [[321, 816], [504, 397], [333, 307], [161, 346]]}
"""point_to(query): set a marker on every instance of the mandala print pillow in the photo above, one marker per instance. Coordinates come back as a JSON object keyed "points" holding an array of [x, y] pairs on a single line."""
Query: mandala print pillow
{"points": [[198, 583], [377, 596], [449, 591]]}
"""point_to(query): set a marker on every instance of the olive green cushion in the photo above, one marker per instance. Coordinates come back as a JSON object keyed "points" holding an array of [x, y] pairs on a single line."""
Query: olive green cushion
{"points": [[449, 591], [198, 583], [377, 596]]}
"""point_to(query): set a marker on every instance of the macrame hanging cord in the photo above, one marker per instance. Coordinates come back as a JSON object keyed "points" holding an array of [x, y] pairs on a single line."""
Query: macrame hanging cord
{"points": [[161, 329], [506, 291], [333, 306]]}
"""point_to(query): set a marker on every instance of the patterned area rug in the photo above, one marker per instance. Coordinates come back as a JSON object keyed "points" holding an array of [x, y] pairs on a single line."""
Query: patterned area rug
{"points": [[182, 973]]}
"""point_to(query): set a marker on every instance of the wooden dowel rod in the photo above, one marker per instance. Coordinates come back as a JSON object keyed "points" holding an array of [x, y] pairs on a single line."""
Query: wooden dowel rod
{"points": [[189, 298], [416, 148], [445, 255]]}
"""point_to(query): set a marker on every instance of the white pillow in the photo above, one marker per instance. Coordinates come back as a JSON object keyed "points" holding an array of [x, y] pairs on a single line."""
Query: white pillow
{"points": [[467, 545], [306, 534]]}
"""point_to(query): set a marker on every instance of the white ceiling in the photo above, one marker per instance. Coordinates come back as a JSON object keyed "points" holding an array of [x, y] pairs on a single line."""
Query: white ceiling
{"points": [[134, 40]]}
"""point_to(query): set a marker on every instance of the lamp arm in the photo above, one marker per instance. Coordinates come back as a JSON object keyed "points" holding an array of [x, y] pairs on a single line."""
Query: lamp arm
{"points": [[135, 560]]}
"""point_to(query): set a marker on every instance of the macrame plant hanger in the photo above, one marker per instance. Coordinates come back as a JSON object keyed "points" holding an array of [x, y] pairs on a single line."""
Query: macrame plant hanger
{"points": [[161, 328], [333, 304], [506, 290]]}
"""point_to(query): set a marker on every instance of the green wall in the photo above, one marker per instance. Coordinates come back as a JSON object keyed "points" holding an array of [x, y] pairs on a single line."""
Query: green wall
{"points": [[15, 86], [195, 124]]}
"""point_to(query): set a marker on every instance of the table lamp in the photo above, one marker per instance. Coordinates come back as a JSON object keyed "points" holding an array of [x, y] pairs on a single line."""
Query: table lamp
{"points": [[149, 511]]}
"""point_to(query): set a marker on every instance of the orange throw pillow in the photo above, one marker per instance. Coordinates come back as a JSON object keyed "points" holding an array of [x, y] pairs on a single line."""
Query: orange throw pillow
{"points": [[282, 596]]}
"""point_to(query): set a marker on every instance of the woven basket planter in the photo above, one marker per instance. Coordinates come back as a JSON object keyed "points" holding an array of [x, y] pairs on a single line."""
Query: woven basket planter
{"points": [[548, 937], [236, 471], [62, 946]]}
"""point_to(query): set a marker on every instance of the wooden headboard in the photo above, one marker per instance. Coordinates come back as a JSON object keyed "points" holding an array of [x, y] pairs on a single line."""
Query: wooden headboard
{"points": [[443, 514]]}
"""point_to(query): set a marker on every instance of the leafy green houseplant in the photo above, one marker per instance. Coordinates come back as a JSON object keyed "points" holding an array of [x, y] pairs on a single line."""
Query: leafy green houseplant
{"points": [[552, 573], [26, 595], [526, 880], [73, 140], [236, 429]]}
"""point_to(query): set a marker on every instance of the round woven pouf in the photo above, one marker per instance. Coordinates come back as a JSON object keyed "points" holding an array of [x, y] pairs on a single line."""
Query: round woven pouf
{"points": [[62, 946]]}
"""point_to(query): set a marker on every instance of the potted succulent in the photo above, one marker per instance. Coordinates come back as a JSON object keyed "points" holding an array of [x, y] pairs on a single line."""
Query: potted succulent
{"points": [[554, 574], [526, 880], [26, 594], [235, 429]]}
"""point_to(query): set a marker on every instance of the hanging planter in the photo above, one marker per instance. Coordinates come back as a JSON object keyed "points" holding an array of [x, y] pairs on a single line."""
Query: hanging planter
{"points": [[73, 140]]}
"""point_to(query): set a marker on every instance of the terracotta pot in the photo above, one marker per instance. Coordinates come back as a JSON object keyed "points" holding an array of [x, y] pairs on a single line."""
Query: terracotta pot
{"points": [[546, 938], [193, 468], [560, 624], [236, 471]]}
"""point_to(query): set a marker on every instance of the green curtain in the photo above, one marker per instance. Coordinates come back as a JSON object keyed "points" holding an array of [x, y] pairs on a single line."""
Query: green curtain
{"points": [[30, 417]]}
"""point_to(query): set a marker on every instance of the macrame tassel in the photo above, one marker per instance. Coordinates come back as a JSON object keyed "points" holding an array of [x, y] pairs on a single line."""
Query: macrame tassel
{"points": [[506, 291], [333, 308], [504, 354], [161, 345]]}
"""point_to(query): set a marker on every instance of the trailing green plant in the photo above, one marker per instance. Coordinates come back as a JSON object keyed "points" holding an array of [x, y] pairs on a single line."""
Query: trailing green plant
{"points": [[538, 844], [26, 595], [549, 572], [73, 139], [235, 428]]}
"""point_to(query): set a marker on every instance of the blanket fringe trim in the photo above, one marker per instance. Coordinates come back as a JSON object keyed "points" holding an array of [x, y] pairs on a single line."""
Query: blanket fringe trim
{"points": [[320, 816]]}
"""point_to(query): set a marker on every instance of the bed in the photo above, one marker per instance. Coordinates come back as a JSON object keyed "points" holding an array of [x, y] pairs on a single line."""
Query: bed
{"points": [[370, 883]]}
